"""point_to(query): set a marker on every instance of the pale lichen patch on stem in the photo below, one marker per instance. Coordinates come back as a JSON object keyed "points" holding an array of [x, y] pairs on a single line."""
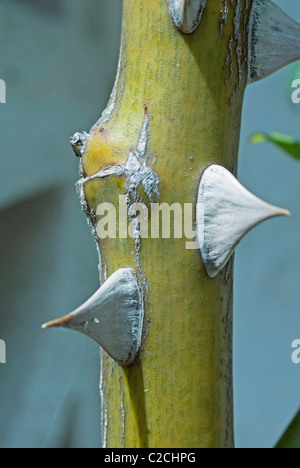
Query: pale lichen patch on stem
{"points": [[224, 16], [117, 91], [235, 65]]}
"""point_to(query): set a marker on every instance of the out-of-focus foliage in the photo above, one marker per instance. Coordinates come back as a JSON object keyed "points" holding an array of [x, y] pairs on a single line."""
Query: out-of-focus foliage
{"points": [[291, 438], [287, 143]]}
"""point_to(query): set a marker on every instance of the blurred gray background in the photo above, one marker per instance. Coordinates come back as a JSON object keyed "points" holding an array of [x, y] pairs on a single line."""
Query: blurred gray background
{"points": [[59, 58]]}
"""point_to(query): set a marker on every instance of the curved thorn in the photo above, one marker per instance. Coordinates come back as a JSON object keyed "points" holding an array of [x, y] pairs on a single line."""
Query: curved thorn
{"points": [[274, 40], [113, 317], [226, 212]]}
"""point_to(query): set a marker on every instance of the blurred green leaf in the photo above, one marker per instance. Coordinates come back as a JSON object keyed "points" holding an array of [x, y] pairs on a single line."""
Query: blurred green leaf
{"points": [[291, 438], [295, 71], [287, 143]]}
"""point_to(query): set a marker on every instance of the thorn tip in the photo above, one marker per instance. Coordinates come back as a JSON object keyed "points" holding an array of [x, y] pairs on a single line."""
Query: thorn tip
{"points": [[61, 322]]}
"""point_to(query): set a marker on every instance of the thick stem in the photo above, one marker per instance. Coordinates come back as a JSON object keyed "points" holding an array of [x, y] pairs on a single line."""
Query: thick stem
{"points": [[187, 91]]}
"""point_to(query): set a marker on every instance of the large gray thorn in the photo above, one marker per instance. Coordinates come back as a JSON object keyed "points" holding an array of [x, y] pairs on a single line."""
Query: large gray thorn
{"points": [[226, 212], [113, 317], [274, 40]]}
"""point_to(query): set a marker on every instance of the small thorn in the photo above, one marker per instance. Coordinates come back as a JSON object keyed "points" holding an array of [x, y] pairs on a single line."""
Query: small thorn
{"points": [[186, 14], [78, 143], [226, 212]]}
